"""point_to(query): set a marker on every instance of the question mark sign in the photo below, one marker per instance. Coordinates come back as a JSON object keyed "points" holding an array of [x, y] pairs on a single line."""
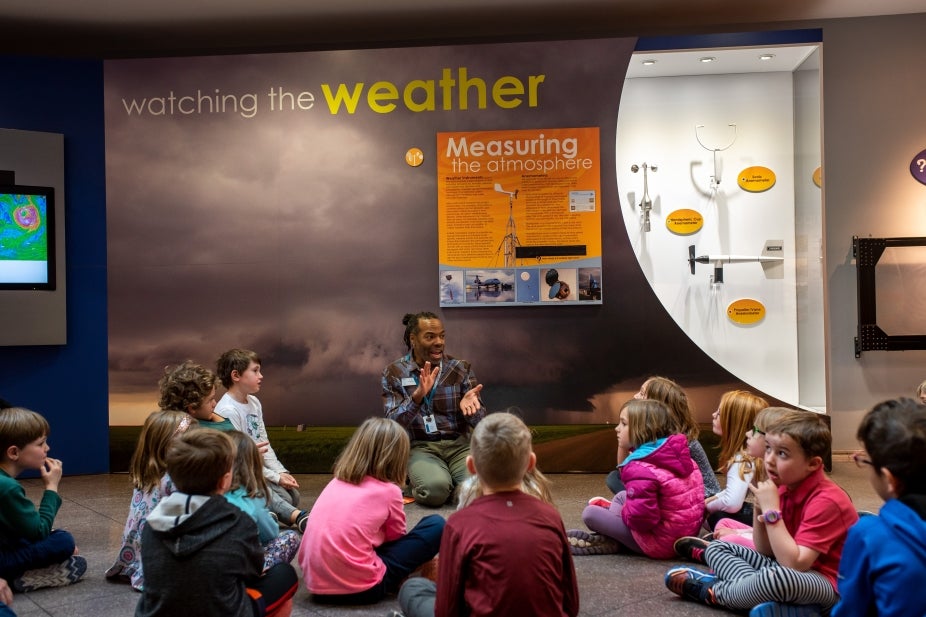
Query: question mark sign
{"points": [[918, 166]]}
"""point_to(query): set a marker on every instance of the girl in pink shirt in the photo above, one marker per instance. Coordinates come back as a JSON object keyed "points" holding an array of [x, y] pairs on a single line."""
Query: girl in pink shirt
{"points": [[355, 549]]}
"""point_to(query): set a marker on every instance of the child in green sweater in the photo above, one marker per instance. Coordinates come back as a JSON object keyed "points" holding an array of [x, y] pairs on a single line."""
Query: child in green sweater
{"points": [[32, 554]]}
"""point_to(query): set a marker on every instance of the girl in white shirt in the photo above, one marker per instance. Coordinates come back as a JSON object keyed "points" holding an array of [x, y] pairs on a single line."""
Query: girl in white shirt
{"points": [[730, 529], [733, 421]]}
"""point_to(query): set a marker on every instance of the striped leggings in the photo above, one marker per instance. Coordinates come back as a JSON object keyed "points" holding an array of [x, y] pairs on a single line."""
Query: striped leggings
{"points": [[746, 578]]}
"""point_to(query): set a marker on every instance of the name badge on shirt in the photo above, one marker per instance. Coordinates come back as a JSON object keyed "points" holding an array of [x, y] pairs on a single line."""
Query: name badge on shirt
{"points": [[408, 381], [430, 425]]}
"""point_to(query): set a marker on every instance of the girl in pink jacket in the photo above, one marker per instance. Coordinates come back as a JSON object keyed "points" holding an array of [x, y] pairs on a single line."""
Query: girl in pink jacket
{"points": [[664, 496]]}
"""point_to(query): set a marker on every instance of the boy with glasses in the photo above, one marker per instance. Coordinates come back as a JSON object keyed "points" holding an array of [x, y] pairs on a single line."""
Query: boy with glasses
{"points": [[884, 561]]}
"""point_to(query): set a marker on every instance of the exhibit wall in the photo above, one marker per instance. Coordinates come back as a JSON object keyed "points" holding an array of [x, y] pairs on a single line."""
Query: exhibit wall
{"points": [[266, 201], [666, 122], [66, 383], [808, 229], [873, 129]]}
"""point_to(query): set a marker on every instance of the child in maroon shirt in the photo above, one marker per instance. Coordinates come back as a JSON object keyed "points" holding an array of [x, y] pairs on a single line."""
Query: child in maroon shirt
{"points": [[486, 544]]}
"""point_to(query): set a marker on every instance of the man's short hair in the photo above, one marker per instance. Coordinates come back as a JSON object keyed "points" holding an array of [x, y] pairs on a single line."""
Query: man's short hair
{"points": [[894, 436], [807, 429], [234, 360], [501, 448], [197, 460], [19, 427]]}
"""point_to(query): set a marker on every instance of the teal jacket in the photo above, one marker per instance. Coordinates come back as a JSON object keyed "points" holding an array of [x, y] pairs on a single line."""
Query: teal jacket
{"points": [[19, 519]]}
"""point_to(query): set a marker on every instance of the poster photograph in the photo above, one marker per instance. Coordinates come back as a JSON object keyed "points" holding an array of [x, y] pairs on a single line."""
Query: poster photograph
{"points": [[519, 217]]}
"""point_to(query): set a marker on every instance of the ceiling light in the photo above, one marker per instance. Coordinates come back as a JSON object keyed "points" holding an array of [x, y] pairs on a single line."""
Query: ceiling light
{"points": [[707, 59], [766, 56], [649, 62]]}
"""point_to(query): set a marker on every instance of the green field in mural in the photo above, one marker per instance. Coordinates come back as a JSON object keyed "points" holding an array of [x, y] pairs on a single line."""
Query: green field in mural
{"points": [[314, 449]]}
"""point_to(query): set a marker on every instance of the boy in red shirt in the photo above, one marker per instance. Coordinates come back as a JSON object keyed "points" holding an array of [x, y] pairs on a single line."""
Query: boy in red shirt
{"points": [[800, 524]]}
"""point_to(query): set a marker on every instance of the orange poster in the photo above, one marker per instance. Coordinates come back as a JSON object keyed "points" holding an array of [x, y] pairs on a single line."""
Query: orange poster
{"points": [[519, 217]]}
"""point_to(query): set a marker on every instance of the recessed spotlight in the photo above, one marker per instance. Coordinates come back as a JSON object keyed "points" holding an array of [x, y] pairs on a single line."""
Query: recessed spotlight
{"points": [[766, 56], [649, 62], [707, 59]]}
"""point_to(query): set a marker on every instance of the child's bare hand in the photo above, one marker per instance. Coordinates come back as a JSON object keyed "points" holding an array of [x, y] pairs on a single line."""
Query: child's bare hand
{"points": [[51, 473], [262, 447], [766, 494], [6, 594], [723, 531], [287, 481]]}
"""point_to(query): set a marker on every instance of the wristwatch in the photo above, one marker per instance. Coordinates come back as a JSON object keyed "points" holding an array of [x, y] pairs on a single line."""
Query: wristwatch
{"points": [[770, 517]]}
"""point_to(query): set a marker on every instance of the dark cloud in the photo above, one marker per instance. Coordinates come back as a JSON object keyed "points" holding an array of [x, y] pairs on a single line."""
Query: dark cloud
{"points": [[304, 235]]}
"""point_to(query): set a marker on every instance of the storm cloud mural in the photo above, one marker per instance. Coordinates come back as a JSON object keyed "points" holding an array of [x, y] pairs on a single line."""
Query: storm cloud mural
{"points": [[265, 201]]}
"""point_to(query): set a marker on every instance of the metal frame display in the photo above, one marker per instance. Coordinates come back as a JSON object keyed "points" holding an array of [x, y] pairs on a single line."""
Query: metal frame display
{"points": [[870, 337]]}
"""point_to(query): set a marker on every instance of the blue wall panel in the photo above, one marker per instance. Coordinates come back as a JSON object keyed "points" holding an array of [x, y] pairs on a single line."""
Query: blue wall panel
{"points": [[68, 384]]}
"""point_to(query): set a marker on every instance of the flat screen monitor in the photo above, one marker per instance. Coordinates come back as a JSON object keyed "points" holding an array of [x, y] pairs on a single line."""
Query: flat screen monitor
{"points": [[27, 237]]}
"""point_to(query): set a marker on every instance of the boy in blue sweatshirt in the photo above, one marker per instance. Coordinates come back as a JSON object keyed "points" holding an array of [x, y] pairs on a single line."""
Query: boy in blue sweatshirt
{"points": [[883, 564]]}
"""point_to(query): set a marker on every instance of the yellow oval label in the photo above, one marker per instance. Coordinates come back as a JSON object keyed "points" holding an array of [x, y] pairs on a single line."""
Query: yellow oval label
{"points": [[746, 311], [756, 179], [684, 222], [818, 177]]}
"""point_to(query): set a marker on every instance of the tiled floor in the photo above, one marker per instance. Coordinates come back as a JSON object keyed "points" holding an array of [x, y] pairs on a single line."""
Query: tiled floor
{"points": [[95, 508]]}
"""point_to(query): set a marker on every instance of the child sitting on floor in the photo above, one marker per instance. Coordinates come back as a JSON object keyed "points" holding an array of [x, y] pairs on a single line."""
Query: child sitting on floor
{"points": [[732, 529], [733, 420], [506, 553], [201, 554], [675, 399], [883, 565], [535, 484], [151, 483], [799, 527], [240, 372], [249, 492], [355, 549], [190, 387], [664, 495], [32, 554]]}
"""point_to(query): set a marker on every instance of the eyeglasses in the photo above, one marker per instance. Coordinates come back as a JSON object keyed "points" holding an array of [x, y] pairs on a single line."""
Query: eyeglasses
{"points": [[756, 431], [860, 460]]}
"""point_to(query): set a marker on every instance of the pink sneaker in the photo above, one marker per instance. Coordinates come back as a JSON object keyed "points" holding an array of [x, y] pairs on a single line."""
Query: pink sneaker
{"points": [[601, 502]]}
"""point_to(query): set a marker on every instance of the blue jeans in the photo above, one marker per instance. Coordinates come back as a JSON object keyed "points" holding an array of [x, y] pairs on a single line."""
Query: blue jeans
{"points": [[402, 557], [18, 556], [417, 597]]}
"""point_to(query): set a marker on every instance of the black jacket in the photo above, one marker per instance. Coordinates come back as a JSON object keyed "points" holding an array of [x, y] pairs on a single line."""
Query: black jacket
{"points": [[198, 553]]}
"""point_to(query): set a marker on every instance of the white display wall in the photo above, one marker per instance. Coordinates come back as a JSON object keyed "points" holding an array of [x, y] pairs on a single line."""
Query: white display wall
{"points": [[657, 126]]}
